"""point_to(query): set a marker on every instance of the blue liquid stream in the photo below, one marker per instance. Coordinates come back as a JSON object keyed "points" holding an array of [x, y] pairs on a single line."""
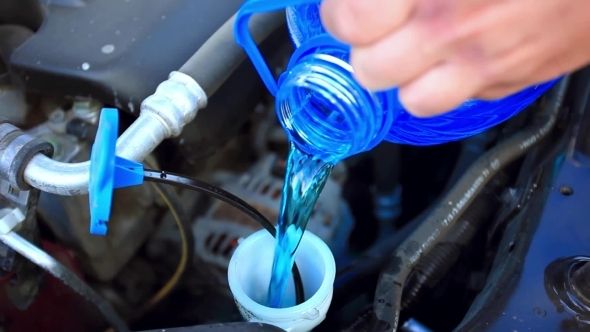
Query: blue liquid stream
{"points": [[305, 178]]}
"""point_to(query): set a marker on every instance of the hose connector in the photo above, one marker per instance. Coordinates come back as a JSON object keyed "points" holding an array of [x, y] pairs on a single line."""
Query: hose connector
{"points": [[16, 150], [175, 102]]}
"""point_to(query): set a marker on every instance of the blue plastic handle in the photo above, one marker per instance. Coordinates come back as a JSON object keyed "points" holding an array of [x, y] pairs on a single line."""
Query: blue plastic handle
{"points": [[245, 40], [108, 172]]}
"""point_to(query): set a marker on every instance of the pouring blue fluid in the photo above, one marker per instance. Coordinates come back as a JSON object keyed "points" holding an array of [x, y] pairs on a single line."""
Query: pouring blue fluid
{"points": [[305, 178], [328, 116]]}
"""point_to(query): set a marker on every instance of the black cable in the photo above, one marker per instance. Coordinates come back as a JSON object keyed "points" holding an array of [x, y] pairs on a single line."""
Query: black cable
{"points": [[229, 198]]}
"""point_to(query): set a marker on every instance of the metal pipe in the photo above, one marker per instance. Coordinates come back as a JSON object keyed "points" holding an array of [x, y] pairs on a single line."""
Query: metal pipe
{"points": [[163, 114], [58, 270], [436, 227], [220, 56]]}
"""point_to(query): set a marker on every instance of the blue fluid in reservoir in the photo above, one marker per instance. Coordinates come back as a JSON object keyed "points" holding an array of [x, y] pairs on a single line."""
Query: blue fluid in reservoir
{"points": [[305, 178]]}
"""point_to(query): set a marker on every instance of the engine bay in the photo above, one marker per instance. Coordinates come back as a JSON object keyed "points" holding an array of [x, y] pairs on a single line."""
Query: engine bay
{"points": [[483, 234]]}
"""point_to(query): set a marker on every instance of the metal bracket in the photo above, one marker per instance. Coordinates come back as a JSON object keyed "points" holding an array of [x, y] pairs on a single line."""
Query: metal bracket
{"points": [[10, 219]]}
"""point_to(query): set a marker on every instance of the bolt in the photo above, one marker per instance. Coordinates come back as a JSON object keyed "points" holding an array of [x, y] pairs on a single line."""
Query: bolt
{"points": [[57, 117], [86, 110], [566, 190]]}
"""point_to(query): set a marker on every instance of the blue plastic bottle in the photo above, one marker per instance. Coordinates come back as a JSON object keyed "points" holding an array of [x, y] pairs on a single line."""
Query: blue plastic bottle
{"points": [[328, 114]]}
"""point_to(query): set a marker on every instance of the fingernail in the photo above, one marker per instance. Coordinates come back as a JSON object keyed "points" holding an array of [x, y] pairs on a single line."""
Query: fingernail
{"points": [[364, 71], [415, 103]]}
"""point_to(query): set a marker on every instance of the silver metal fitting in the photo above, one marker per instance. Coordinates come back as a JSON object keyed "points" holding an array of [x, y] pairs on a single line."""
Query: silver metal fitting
{"points": [[16, 150], [176, 102], [10, 219], [163, 114]]}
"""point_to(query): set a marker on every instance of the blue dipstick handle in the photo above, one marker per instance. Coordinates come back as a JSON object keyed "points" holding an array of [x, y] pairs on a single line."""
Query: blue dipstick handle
{"points": [[108, 172]]}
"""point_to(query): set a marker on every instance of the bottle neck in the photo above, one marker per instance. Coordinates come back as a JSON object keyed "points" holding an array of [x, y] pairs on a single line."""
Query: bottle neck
{"points": [[325, 111]]}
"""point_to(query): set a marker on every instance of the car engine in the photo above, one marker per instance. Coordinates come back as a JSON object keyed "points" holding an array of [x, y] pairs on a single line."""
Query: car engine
{"points": [[483, 234]]}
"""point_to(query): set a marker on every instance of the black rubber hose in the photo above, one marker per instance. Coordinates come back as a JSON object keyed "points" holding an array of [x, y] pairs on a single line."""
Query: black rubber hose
{"points": [[433, 266], [429, 271], [27, 13], [436, 227], [220, 56], [231, 199], [11, 37]]}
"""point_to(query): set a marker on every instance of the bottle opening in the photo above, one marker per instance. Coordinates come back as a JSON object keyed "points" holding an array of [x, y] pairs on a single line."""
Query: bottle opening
{"points": [[326, 112]]}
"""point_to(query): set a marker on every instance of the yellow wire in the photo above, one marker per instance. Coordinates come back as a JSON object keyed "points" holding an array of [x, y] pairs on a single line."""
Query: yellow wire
{"points": [[181, 267]]}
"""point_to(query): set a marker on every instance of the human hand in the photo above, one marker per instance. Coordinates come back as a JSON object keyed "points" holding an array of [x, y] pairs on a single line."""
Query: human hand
{"points": [[442, 52]]}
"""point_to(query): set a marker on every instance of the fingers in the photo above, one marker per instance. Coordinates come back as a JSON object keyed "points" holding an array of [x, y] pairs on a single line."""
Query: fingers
{"points": [[500, 91], [441, 89], [360, 22], [442, 52], [396, 59]]}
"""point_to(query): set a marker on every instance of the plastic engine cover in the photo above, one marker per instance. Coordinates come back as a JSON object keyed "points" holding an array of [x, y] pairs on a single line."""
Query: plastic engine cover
{"points": [[116, 51]]}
